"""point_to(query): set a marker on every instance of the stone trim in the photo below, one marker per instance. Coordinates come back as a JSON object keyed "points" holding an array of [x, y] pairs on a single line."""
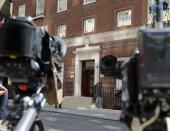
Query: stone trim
{"points": [[104, 37], [85, 53], [87, 49], [38, 17]]}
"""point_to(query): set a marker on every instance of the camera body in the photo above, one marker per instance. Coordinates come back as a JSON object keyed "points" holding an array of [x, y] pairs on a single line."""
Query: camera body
{"points": [[149, 65], [145, 77], [25, 52], [26, 55], [154, 64]]}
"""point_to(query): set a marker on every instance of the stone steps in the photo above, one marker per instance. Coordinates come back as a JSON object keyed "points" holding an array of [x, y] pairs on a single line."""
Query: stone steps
{"points": [[77, 102]]}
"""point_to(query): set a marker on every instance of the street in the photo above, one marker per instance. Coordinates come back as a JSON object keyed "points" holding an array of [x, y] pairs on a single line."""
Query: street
{"points": [[66, 122]]}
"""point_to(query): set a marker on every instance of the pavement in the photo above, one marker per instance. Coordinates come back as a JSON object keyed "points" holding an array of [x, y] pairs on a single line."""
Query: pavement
{"points": [[99, 113], [108, 114]]}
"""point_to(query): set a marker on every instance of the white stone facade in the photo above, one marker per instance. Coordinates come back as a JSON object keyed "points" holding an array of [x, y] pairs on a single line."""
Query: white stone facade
{"points": [[85, 53]]}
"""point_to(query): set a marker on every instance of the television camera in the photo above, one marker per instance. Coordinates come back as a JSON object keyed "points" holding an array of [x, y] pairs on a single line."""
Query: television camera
{"points": [[26, 55], [146, 80]]}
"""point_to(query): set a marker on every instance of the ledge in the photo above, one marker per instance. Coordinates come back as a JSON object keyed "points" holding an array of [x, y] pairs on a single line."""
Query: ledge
{"points": [[87, 49], [115, 35], [38, 17]]}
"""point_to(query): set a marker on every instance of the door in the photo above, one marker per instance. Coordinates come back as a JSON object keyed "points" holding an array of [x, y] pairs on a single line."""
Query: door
{"points": [[87, 78], [87, 83]]}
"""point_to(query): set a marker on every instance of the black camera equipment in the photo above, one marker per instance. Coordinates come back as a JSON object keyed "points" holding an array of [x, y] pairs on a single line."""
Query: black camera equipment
{"points": [[25, 53], [145, 77], [146, 80]]}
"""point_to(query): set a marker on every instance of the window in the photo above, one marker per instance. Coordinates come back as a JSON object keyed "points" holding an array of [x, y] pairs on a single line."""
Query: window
{"points": [[166, 12], [21, 11], [152, 11], [61, 31], [44, 28], [89, 25], [88, 1], [40, 7], [62, 5], [124, 18]]}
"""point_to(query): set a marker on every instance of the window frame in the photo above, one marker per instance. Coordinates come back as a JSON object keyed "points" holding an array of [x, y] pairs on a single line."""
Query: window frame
{"points": [[84, 31], [123, 13], [58, 11], [59, 26], [37, 5], [84, 3], [23, 11]]}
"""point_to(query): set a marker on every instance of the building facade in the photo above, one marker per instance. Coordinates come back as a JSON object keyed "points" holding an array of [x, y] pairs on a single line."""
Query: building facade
{"points": [[91, 30]]}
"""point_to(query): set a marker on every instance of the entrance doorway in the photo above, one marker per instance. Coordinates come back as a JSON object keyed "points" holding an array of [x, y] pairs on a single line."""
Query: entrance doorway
{"points": [[87, 78]]}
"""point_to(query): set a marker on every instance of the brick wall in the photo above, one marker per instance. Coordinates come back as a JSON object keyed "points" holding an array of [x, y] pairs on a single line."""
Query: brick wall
{"points": [[69, 73], [104, 11], [123, 48]]}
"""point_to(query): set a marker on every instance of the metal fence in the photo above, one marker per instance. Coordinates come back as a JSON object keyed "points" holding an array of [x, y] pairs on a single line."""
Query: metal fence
{"points": [[107, 96]]}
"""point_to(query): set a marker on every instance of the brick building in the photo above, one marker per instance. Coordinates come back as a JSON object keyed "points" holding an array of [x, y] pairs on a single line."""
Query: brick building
{"points": [[91, 29]]}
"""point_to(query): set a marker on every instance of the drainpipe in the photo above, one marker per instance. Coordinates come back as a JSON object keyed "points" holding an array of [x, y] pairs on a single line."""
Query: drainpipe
{"points": [[159, 10]]}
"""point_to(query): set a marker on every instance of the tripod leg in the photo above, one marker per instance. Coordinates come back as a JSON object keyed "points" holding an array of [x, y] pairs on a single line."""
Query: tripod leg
{"points": [[37, 125]]}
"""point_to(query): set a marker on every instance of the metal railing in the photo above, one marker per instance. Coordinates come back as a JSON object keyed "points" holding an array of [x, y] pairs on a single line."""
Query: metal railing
{"points": [[107, 96]]}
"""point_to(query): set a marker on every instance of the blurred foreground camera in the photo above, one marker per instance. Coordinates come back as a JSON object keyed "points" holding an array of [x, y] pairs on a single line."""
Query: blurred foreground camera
{"points": [[154, 63], [25, 50], [146, 80], [110, 66], [26, 55]]}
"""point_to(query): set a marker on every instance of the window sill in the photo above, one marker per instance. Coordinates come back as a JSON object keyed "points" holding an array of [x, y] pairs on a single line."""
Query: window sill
{"points": [[123, 27], [61, 11], [88, 3], [89, 32], [38, 17]]}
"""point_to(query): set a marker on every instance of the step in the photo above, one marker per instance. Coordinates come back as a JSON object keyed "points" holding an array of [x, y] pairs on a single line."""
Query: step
{"points": [[77, 99], [78, 102], [76, 106]]}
